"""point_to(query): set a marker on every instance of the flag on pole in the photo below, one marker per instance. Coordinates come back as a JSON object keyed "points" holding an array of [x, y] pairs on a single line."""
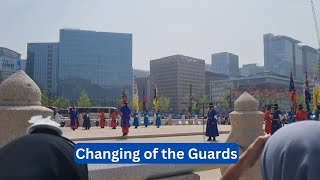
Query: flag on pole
{"points": [[292, 92], [307, 95], [144, 100], [316, 88], [123, 96], [155, 98], [135, 98]]}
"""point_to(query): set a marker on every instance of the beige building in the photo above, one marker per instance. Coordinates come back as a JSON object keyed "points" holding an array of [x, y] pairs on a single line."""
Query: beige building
{"points": [[173, 76]]}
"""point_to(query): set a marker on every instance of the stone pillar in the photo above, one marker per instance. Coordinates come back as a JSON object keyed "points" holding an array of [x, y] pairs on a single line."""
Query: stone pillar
{"points": [[246, 126], [20, 99]]}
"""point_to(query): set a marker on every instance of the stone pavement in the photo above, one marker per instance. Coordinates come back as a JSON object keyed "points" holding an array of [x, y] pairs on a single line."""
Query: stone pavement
{"points": [[97, 133], [204, 175]]}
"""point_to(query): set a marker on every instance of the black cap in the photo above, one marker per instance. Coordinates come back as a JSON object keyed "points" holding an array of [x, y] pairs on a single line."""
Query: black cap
{"points": [[210, 104], [275, 105]]}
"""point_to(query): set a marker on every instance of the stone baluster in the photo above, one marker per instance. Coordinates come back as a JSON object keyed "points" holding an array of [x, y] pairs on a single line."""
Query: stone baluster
{"points": [[20, 99], [246, 126]]}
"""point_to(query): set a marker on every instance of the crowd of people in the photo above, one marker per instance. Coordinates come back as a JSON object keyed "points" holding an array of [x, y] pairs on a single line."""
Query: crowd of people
{"points": [[125, 114], [275, 119]]}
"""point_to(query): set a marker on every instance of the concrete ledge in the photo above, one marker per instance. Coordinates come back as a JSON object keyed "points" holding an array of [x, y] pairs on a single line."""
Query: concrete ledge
{"points": [[144, 172], [143, 136], [189, 176]]}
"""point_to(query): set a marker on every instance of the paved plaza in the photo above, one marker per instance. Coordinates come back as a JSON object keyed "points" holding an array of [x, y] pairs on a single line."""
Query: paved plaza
{"points": [[152, 131]]}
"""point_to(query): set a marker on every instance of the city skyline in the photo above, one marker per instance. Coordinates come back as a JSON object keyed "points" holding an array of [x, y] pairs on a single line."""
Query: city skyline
{"points": [[164, 28]]}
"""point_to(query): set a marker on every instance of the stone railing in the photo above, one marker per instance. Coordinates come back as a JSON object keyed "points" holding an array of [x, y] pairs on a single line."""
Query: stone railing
{"points": [[20, 100]]}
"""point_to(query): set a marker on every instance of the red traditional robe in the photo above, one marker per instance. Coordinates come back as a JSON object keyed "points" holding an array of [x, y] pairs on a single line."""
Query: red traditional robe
{"points": [[301, 115], [268, 122], [102, 119], [113, 120]]}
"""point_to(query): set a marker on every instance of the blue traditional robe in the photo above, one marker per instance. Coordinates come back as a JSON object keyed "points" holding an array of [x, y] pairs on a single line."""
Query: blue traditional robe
{"points": [[158, 119], [146, 119], [125, 111], [276, 123], [74, 119], [86, 121], [290, 117], [309, 114], [136, 120], [212, 126]]}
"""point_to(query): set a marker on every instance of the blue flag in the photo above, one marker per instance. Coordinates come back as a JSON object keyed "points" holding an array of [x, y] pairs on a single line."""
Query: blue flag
{"points": [[307, 95]]}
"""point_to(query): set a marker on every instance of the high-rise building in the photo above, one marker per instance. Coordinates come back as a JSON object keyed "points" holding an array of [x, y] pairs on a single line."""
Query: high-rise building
{"points": [[208, 68], [310, 58], [173, 77], [98, 62], [42, 65], [251, 69], [10, 63], [141, 73], [281, 54], [225, 63]]}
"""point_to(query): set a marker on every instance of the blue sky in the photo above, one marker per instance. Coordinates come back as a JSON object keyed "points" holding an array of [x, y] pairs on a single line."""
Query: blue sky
{"points": [[161, 28]]}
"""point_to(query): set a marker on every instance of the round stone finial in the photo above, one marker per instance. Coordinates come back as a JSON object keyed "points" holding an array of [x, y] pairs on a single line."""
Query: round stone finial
{"points": [[19, 90], [246, 103]]}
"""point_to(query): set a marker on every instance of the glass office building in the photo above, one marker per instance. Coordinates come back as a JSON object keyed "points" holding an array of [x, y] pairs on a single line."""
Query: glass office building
{"points": [[99, 63], [42, 66], [225, 63], [281, 54]]}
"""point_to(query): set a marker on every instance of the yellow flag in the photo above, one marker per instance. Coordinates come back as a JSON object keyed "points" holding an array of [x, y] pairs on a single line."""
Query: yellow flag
{"points": [[136, 98]]}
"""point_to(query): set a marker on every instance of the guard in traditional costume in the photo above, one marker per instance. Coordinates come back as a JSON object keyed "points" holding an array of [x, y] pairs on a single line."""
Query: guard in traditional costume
{"points": [[276, 119], [146, 119], [73, 114], [301, 115], [158, 119], [212, 125], [113, 123], [86, 121], [135, 120], [102, 117], [267, 119], [290, 116], [125, 118]]}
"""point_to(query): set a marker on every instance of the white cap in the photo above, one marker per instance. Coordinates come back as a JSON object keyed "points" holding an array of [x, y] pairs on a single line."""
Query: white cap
{"points": [[39, 122]]}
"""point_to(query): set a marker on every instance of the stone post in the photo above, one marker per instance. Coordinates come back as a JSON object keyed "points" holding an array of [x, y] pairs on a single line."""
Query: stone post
{"points": [[246, 126], [20, 99]]}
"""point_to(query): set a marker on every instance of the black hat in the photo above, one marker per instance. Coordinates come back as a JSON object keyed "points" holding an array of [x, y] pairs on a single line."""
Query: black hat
{"points": [[210, 104], [275, 105]]}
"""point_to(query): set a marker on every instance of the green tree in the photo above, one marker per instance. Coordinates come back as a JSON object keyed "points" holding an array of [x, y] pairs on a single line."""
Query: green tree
{"points": [[45, 99], [199, 99], [164, 103], [84, 100]]}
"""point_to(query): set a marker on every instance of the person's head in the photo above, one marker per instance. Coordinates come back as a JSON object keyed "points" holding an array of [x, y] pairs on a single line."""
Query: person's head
{"points": [[268, 108], [291, 108], [293, 152], [211, 105], [300, 107], [275, 106], [45, 151]]}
